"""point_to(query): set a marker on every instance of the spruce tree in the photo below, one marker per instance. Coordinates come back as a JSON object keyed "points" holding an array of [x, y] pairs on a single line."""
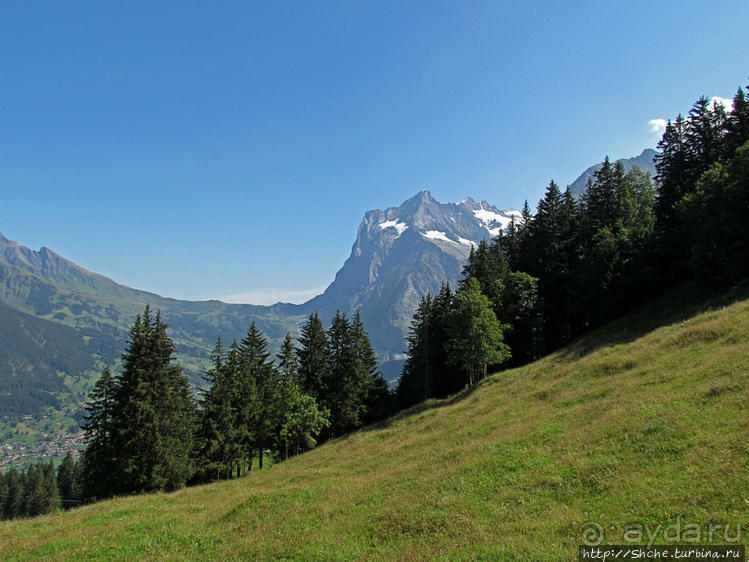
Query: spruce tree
{"points": [[257, 367], [288, 363], [217, 438], [417, 378], [144, 443], [346, 385], [14, 499], [376, 393], [67, 482], [99, 459], [313, 358]]}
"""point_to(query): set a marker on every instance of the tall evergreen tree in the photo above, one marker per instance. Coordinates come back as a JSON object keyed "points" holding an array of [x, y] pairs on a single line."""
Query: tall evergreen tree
{"points": [[67, 482], [100, 456], [154, 414], [257, 366], [417, 378], [218, 438], [14, 483], [313, 358], [346, 385], [376, 393], [288, 363]]}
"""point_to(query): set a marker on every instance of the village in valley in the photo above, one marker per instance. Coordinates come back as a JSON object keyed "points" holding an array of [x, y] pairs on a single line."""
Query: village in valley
{"points": [[34, 439]]}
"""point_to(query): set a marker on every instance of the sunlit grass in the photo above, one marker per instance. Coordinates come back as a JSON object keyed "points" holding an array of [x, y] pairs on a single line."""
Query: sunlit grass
{"points": [[616, 429]]}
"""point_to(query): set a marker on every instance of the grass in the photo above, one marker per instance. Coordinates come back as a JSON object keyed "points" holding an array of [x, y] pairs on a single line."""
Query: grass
{"points": [[626, 427]]}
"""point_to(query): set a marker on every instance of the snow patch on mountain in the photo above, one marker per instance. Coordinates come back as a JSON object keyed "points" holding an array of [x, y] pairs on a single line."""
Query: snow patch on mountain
{"points": [[493, 222], [437, 235], [467, 242], [399, 226]]}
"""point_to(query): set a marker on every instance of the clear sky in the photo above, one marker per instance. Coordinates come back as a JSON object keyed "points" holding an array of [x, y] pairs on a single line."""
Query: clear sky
{"points": [[204, 149]]}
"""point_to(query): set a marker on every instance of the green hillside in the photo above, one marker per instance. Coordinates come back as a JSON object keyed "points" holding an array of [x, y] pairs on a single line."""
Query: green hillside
{"points": [[625, 426]]}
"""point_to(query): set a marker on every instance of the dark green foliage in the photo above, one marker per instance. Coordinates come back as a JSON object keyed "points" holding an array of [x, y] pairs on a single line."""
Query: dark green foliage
{"points": [[30, 493], [14, 486], [68, 482], [720, 253], [258, 371], [313, 357], [98, 460], [140, 423], [346, 383], [219, 437]]}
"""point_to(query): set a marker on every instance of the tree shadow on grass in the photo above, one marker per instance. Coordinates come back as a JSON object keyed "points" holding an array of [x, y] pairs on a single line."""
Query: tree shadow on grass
{"points": [[674, 306]]}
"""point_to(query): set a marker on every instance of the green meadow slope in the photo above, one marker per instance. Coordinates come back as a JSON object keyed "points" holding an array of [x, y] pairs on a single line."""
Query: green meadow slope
{"points": [[626, 426]]}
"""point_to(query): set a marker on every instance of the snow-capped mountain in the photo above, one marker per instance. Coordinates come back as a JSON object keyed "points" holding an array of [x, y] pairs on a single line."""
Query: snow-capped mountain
{"points": [[400, 254]]}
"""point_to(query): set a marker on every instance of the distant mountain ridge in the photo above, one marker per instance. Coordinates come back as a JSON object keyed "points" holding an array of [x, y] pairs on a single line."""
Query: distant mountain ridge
{"points": [[645, 161], [402, 253]]}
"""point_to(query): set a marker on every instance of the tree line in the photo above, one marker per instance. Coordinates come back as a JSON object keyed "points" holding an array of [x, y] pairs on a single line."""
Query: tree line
{"points": [[39, 489], [577, 263], [145, 432]]}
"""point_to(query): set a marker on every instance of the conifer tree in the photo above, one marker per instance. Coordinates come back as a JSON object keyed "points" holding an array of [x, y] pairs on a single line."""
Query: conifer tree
{"points": [[217, 439], [288, 363], [67, 482], [3, 494], [417, 378], [346, 385], [100, 456], [376, 395], [313, 358], [256, 366], [154, 412], [14, 499]]}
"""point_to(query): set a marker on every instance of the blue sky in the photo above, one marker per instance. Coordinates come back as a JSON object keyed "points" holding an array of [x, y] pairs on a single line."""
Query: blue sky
{"points": [[203, 149]]}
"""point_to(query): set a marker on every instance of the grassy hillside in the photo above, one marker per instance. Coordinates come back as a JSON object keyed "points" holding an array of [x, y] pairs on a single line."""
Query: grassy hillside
{"points": [[627, 426]]}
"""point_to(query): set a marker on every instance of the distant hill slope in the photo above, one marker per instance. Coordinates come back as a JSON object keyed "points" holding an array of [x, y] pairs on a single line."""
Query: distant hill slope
{"points": [[624, 426], [644, 161]]}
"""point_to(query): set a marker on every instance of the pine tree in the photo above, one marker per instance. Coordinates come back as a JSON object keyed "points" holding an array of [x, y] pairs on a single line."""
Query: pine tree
{"points": [[141, 424], [33, 500], [14, 500], [99, 458], [288, 364], [3, 494], [217, 438], [67, 482], [51, 498], [257, 367], [376, 394], [241, 390], [155, 412], [346, 386], [313, 358], [737, 124]]}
